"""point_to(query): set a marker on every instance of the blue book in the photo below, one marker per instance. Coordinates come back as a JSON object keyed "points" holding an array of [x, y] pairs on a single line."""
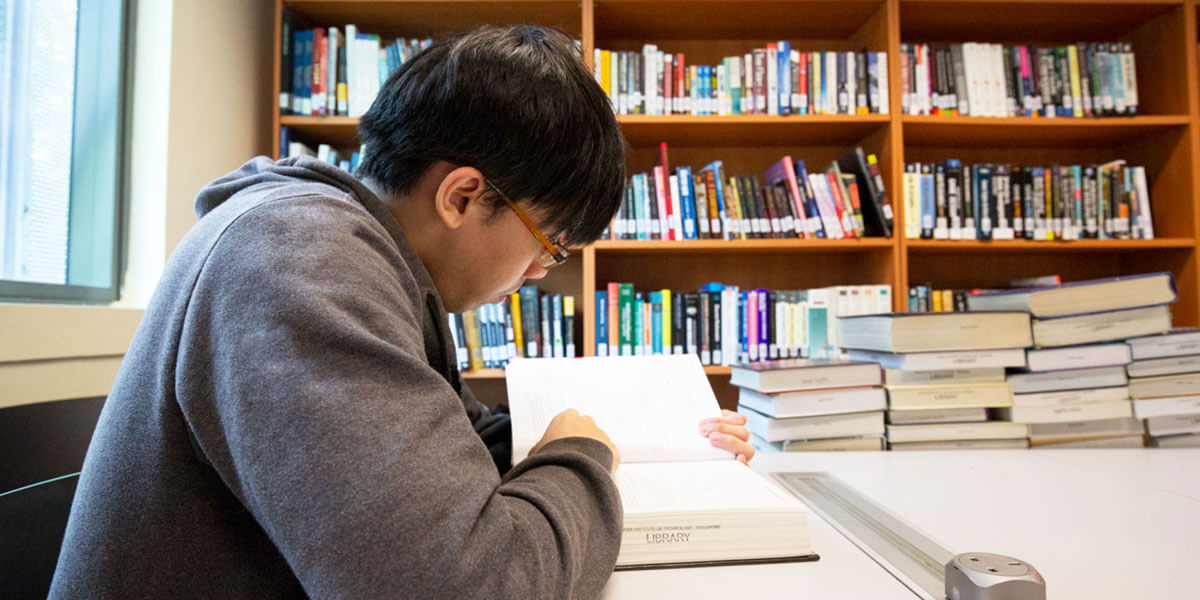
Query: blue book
{"points": [[743, 326], [783, 56], [556, 325], [928, 202], [984, 198], [687, 201], [640, 215], [601, 323], [656, 322], [764, 322], [284, 141], [306, 61], [639, 325]]}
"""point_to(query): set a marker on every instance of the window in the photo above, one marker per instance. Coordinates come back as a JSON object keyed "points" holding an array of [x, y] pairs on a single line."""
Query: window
{"points": [[61, 151]]}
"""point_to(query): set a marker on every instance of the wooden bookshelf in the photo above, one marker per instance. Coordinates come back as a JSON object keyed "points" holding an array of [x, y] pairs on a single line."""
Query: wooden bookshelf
{"points": [[1164, 137]]}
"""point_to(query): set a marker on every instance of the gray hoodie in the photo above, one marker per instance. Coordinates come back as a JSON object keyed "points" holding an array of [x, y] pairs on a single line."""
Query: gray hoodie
{"points": [[289, 421]]}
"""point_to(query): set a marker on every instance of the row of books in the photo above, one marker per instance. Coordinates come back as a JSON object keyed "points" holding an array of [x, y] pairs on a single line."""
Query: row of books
{"points": [[924, 298], [989, 80], [289, 147], [329, 71], [848, 200], [529, 324], [1005, 201], [726, 325], [775, 80]]}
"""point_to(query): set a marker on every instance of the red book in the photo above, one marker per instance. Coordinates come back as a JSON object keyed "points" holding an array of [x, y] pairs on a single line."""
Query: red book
{"points": [[680, 85], [666, 186], [662, 187], [839, 204], [614, 324], [319, 72]]}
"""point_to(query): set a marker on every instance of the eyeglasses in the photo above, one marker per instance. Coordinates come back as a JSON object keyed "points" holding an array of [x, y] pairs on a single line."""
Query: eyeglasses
{"points": [[555, 253]]}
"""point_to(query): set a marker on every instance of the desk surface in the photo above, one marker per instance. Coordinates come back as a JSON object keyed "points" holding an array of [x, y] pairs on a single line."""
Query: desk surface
{"points": [[1097, 523]]}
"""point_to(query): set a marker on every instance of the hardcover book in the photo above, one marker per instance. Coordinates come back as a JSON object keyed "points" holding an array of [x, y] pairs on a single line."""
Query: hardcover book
{"points": [[686, 502], [936, 332], [804, 374], [1081, 297]]}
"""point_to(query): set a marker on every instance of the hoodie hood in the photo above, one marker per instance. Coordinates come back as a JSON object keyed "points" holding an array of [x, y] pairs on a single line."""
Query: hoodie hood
{"points": [[261, 172]]}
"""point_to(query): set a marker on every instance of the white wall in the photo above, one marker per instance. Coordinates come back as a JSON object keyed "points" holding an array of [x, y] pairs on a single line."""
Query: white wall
{"points": [[201, 106]]}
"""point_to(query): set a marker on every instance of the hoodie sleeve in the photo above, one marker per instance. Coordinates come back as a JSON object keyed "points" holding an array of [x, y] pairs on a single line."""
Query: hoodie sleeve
{"points": [[302, 376], [494, 427]]}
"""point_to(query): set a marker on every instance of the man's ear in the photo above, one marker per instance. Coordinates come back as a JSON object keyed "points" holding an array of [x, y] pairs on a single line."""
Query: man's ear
{"points": [[458, 195]]}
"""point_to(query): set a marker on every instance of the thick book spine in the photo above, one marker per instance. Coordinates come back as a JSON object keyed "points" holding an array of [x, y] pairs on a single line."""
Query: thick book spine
{"points": [[678, 323], [639, 347], [691, 310], [474, 344], [547, 310], [625, 308], [601, 320], [716, 327], [556, 323], [530, 319]]}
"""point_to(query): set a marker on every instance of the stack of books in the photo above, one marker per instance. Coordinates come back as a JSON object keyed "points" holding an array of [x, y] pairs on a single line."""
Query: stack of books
{"points": [[1075, 396], [809, 405], [1164, 380], [1074, 391], [944, 371]]}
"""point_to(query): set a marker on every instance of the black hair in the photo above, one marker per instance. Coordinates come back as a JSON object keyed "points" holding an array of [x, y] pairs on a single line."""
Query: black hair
{"points": [[518, 104]]}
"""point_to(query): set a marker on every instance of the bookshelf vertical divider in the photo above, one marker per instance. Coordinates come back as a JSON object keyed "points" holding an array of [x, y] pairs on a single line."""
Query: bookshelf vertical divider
{"points": [[1166, 137]]}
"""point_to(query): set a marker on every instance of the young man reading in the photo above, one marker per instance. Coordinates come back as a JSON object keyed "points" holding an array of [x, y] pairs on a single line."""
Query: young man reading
{"points": [[289, 420]]}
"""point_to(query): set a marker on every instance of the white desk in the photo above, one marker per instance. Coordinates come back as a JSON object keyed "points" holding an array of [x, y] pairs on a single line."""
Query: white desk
{"points": [[1097, 524]]}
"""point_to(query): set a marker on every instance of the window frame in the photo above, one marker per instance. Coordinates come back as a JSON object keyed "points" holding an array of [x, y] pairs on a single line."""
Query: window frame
{"points": [[102, 59]]}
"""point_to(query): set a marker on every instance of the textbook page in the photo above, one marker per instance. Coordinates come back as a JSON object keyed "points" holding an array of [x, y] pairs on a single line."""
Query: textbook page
{"points": [[650, 406], [720, 486]]}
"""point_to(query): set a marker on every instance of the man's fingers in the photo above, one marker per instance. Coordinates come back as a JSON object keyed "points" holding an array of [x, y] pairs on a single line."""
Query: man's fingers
{"points": [[735, 418], [734, 430]]}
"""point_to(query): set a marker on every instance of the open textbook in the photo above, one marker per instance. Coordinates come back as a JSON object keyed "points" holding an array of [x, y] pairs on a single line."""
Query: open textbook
{"points": [[686, 503]]}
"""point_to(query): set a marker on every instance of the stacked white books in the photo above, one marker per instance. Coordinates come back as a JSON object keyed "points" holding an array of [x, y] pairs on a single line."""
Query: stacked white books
{"points": [[1075, 396], [1086, 312], [944, 371], [800, 405], [1164, 381], [1074, 391]]}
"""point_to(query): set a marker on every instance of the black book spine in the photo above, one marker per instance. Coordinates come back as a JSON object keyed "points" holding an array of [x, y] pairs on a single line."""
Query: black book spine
{"points": [[715, 328], [678, 323]]}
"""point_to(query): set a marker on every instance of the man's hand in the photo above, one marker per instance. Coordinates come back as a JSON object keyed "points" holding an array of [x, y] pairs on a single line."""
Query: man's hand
{"points": [[569, 423], [729, 432]]}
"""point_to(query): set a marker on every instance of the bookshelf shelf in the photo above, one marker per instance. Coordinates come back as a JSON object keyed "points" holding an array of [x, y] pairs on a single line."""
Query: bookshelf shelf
{"points": [[935, 130], [483, 374], [1007, 21], [757, 20], [970, 246], [741, 130], [341, 132], [738, 246], [417, 18]]}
